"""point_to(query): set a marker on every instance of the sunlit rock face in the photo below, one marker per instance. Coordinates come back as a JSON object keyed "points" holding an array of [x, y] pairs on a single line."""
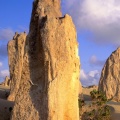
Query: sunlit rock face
{"points": [[49, 84], [6, 82], [15, 58], [110, 76]]}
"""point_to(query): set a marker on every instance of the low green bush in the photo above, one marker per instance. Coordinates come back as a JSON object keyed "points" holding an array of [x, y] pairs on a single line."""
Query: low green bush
{"points": [[97, 110]]}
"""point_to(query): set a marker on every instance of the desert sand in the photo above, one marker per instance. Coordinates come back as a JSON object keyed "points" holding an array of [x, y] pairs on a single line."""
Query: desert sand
{"points": [[5, 105]]}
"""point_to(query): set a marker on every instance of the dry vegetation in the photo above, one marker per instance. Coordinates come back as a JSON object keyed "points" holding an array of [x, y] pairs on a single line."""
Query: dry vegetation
{"points": [[96, 109]]}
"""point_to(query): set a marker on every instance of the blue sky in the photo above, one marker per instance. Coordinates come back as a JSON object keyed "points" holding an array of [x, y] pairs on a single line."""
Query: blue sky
{"points": [[96, 21]]}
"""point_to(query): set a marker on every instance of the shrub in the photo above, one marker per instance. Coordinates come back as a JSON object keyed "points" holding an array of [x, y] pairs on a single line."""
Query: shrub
{"points": [[97, 110]]}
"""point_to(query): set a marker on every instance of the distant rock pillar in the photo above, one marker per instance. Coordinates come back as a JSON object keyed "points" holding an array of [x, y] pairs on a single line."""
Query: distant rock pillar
{"points": [[110, 76], [6, 82]]}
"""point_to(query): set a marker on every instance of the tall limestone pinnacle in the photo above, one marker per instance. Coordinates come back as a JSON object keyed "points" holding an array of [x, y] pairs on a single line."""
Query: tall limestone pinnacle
{"points": [[110, 76], [15, 58], [49, 84]]}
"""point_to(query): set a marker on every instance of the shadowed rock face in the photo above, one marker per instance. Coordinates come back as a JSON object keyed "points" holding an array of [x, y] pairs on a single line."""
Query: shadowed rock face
{"points": [[110, 76], [49, 84], [15, 55]]}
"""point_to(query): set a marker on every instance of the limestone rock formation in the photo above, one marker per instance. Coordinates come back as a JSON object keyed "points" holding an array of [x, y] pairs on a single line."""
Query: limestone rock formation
{"points": [[6, 82], [110, 76], [49, 84], [15, 55]]}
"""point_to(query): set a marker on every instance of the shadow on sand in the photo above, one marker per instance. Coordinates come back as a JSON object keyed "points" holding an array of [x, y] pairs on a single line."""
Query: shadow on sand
{"points": [[86, 97], [5, 106]]}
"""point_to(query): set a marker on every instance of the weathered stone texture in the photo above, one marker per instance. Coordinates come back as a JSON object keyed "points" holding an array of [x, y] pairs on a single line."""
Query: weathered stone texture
{"points": [[6, 82], [15, 56], [49, 84], [110, 76]]}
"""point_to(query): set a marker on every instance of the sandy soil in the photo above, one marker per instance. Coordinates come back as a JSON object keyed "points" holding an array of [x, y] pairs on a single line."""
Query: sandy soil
{"points": [[115, 106], [5, 105]]}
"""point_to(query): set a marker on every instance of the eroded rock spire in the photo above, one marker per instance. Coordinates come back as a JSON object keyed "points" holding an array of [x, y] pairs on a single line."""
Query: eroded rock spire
{"points": [[15, 58], [49, 84], [110, 76]]}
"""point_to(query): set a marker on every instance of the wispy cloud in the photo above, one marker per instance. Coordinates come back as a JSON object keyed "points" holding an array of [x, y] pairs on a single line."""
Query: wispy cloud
{"points": [[3, 51], [94, 61], [1, 64], [22, 29], [4, 73], [6, 34], [100, 17]]}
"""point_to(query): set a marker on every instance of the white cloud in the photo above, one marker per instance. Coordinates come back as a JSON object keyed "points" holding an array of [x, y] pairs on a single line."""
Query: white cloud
{"points": [[101, 17], [95, 61], [83, 75], [6, 34], [93, 73], [90, 78]]}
